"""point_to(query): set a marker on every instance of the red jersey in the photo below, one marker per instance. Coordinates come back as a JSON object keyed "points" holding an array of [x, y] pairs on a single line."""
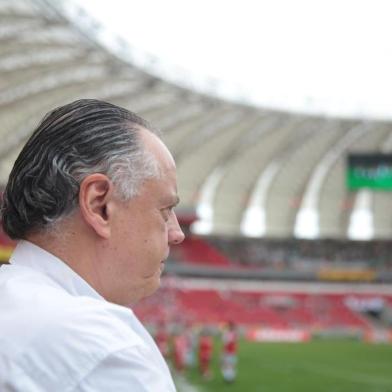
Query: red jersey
{"points": [[205, 347], [229, 342]]}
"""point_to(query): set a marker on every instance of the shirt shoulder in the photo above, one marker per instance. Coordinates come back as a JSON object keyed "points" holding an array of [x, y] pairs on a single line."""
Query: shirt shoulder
{"points": [[59, 335], [130, 369], [54, 339]]}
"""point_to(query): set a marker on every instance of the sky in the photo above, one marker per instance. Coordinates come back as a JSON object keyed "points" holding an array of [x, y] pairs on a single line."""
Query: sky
{"points": [[323, 57]]}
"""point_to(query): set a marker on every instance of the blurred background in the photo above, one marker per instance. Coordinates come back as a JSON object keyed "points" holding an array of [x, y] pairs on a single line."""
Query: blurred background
{"points": [[279, 116]]}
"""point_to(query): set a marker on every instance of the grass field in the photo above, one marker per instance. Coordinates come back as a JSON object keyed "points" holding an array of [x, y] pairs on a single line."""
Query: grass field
{"points": [[320, 366]]}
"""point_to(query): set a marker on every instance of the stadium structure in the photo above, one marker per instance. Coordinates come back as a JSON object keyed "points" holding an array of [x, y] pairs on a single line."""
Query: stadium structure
{"points": [[275, 238]]}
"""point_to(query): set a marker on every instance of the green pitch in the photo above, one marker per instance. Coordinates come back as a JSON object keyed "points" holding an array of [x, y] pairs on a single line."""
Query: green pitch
{"points": [[321, 366]]}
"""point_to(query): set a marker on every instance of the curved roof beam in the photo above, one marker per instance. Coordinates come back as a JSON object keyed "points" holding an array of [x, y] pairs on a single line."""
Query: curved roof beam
{"points": [[361, 218], [52, 81], [194, 168], [17, 131], [211, 129], [9, 30], [204, 207], [181, 115], [44, 33], [177, 138], [17, 7], [247, 131], [307, 220], [43, 57], [243, 163], [254, 222], [308, 142]]}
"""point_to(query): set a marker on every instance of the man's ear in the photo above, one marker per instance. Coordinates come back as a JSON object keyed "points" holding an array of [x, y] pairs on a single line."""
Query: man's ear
{"points": [[95, 195]]}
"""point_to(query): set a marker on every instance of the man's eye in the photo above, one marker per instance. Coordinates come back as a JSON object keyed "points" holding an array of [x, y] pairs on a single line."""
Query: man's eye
{"points": [[166, 213]]}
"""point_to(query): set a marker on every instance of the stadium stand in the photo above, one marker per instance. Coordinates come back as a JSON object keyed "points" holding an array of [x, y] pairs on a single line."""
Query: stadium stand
{"points": [[196, 250], [307, 307]]}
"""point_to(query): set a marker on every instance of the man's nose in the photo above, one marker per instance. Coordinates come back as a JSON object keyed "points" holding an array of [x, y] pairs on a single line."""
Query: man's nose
{"points": [[176, 235]]}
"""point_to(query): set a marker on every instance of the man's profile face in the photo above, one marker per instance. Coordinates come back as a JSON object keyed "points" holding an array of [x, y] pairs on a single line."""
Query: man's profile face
{"points": [[143, 230]]}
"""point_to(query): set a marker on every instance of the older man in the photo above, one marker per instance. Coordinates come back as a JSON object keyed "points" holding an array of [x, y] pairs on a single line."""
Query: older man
{"points": [[90, 199]]}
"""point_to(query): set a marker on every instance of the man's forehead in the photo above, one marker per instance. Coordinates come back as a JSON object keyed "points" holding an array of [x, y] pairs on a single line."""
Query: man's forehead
{"points": [[159, 150]]}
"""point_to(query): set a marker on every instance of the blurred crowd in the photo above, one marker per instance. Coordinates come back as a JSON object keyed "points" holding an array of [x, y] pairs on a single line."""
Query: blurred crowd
{"points": [[305, 255]]}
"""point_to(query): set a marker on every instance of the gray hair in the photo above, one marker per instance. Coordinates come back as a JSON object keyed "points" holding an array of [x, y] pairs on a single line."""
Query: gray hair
{"points": [[73, 141]]}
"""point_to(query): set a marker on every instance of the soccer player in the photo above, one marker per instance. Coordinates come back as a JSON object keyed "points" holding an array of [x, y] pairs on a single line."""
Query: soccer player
{"points": [[229, 353], [205, 354]]}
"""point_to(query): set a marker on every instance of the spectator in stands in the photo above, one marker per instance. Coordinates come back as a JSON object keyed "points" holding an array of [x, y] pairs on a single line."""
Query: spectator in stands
{"points": [[90, 199]]}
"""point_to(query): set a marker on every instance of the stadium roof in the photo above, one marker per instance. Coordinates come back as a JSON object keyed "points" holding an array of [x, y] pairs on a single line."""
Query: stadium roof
{"points": [[246, 170]]}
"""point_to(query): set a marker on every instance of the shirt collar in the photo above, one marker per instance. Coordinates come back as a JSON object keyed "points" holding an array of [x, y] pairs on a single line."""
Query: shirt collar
{"points": [[28, 255]]}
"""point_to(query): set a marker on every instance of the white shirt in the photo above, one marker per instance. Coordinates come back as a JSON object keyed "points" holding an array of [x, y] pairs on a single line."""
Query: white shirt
{"points": [[57, 334]]}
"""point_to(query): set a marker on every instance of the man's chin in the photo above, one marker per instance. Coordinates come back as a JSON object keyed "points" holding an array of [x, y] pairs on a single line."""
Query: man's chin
{"points": [[152, 287]]}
